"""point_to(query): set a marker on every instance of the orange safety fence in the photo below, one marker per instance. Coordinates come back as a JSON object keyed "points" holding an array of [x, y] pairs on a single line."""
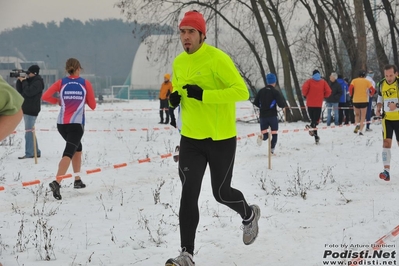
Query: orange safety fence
{"points": [[122, 109], [377, 245], [87, 172], [119, 129], [164, 156]]}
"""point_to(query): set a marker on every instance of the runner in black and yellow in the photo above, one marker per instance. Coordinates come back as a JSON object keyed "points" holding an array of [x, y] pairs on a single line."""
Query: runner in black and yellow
{"points": [[388, 103], [207, 85]]}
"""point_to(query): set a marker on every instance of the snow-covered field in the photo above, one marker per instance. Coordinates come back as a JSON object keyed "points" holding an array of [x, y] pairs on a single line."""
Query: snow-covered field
{"points": [[315, 200]]}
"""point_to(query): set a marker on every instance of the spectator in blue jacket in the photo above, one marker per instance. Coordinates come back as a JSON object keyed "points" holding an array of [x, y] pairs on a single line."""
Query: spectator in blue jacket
{"points": [[343, 101]]}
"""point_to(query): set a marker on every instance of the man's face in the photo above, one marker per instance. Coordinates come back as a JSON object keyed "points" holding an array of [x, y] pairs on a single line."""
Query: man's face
{"points": [[190, 39], [390, 75], [31, 75], [332, 78]]}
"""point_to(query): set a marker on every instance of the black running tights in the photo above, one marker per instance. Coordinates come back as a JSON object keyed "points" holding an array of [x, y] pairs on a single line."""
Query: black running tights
{"points": [[195, 155]]}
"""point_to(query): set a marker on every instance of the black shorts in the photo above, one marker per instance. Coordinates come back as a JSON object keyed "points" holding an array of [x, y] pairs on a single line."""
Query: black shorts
{"points": [[360, 105], [388, 127], [72, 134]]}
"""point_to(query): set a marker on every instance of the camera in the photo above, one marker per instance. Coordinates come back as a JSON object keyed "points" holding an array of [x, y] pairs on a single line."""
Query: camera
{"points": [[16, 73]]}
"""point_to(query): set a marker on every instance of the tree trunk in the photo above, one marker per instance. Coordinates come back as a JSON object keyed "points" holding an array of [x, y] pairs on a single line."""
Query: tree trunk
{"points": [[265, 39], [361, 63], [285, 46], [321, 39], [339, 12], [392, 28], [379, 49], [294, 114]]}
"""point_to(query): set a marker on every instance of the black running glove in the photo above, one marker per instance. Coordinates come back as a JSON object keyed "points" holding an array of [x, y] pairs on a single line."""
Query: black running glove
{"points": [[174, 99], [193, 91]]}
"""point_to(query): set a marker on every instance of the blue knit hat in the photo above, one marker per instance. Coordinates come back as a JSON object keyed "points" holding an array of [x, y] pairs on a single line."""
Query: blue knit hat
{"points": [[271, 78]]}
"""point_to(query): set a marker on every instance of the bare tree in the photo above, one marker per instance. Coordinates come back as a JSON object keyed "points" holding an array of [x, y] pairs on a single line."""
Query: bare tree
{"points": [[361, 61], [279, 34], [379, 49], [336, 28], [393, 28], [133, 9]]}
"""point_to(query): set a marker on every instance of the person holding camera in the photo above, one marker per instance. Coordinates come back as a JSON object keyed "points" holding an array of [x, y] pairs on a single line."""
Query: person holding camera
{"points": [[31, 88]]}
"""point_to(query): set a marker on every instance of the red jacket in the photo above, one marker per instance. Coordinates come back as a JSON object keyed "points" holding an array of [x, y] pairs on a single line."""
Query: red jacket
{"points": [[315, 91]]}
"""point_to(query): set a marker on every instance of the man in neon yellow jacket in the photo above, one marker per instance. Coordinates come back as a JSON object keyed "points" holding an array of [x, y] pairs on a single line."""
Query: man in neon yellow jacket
{"points": [[207, 85]]}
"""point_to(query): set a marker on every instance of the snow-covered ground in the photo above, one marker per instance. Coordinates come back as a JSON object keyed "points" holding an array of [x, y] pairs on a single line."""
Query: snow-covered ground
{"points": [[315, 199]]}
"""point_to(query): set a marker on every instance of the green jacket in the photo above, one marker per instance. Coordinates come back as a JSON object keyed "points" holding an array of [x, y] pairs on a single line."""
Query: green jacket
{"points": [[10, 100], [213, 70]]}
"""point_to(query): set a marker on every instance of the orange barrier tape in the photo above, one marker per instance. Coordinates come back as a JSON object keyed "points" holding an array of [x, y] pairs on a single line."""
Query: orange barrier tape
{"points": [[146, 160], [104, 130], [296, 130], [119, 129], [65, 176], [323, 108], [266, 131], [124, 109], [167, 155], [59, 178], [380, 242], [288, 130], [92, 171], [120, 165], [29, 183]]}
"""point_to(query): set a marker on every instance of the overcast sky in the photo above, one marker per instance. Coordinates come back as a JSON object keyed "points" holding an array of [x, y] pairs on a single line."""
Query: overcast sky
{"points": [[15, 13]]}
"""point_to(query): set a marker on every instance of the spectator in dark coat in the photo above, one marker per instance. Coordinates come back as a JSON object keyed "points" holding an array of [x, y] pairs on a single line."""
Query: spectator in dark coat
{"points": [[332, 101], [31, 89], [343, 102], [351, 116]]}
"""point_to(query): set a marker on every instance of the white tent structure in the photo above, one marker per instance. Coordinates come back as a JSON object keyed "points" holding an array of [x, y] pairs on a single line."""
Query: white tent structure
{"points": [[152, 61]]}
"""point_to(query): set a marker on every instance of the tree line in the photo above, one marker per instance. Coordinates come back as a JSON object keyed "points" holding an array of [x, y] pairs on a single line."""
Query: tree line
{"points": [[329, 35], [105, 48]]}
